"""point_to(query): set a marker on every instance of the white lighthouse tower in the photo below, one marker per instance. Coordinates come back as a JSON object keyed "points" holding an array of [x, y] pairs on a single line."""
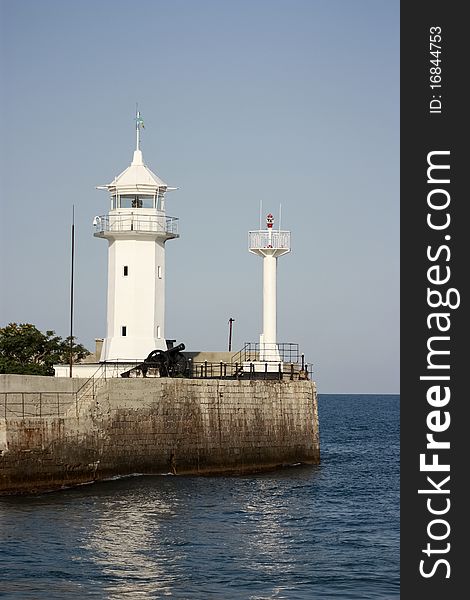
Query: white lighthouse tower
{"points": [[136, 228], [270, 244]]}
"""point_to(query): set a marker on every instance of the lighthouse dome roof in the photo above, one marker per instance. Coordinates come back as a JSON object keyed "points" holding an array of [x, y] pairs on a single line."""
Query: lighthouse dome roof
{"points": [[136, 178]]}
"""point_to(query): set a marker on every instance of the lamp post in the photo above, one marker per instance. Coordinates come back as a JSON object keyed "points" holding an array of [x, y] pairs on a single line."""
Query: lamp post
{"points": [[230, 321]]}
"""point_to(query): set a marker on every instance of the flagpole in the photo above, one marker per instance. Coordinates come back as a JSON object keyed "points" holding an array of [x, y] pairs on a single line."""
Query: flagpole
{"points": [[71, 289]]}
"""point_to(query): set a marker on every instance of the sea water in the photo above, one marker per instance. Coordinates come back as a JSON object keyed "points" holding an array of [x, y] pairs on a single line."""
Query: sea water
{"points": [[319, 532]]}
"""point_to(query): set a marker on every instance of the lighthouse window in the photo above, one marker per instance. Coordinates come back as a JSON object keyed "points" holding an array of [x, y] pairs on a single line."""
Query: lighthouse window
{"points": [[160, 199], [159, 334], [126, 271], [136, 201], [130, 201], [159, 272], [147, 201], [124, 331]]}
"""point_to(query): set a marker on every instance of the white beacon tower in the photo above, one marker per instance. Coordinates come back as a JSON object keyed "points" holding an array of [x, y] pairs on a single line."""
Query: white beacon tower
{"points": [[269, 243], [136, 228]]}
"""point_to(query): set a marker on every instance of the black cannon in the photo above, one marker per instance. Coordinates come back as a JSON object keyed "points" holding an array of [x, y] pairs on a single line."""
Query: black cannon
{"points": [[170, 363]]}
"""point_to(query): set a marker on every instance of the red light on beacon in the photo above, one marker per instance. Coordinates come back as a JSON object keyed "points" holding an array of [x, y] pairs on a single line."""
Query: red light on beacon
{"points": [[269, 221]]}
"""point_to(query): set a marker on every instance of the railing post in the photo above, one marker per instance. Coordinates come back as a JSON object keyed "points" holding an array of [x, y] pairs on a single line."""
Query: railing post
{"points": [[303, 362], [292, 371], [225, 370], [280, 372], [265, 370], [221, 369], [236, 371], [205, 369]]}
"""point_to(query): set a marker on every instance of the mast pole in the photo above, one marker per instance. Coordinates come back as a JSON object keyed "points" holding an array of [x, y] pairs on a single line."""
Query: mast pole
{"points": [[71, 289]]}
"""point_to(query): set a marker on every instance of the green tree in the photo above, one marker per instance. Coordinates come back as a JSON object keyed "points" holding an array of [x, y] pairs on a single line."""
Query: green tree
{"points": [[26, 350]]}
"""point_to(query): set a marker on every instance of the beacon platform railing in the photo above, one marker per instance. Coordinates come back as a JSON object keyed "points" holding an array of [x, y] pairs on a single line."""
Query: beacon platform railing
{"points": [[269, 239], [144, 222], [286, 352]]}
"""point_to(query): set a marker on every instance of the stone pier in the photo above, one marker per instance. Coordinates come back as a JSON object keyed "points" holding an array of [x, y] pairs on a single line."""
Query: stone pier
{"points": [[57, 432]]}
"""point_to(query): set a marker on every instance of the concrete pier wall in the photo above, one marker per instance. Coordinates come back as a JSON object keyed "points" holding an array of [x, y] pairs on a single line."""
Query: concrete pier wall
{"points": [[56, 432]]}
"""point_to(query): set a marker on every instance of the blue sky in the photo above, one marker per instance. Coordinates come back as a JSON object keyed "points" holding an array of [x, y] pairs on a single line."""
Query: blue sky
{"points": [[291, 102]]}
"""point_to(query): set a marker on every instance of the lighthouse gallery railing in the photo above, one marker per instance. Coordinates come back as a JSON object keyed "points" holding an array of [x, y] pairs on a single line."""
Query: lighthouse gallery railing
{"points": [[269, 239], [144, 222]]}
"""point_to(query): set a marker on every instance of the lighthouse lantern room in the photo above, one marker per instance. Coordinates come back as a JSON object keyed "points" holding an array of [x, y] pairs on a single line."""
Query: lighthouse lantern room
{"points": [[136, 228]]}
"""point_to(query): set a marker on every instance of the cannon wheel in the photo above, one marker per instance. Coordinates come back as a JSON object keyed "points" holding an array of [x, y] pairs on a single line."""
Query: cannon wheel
{"points": [[178, 365], [158, 359]]}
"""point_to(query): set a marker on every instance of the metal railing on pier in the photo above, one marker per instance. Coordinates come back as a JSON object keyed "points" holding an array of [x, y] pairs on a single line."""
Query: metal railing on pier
{"points": [[249, 370], [59, 404], [27, 405]]}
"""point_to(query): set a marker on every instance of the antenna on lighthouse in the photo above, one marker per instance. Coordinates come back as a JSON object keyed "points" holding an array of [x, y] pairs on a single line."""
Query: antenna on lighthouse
{"points": [[139, 123]]}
